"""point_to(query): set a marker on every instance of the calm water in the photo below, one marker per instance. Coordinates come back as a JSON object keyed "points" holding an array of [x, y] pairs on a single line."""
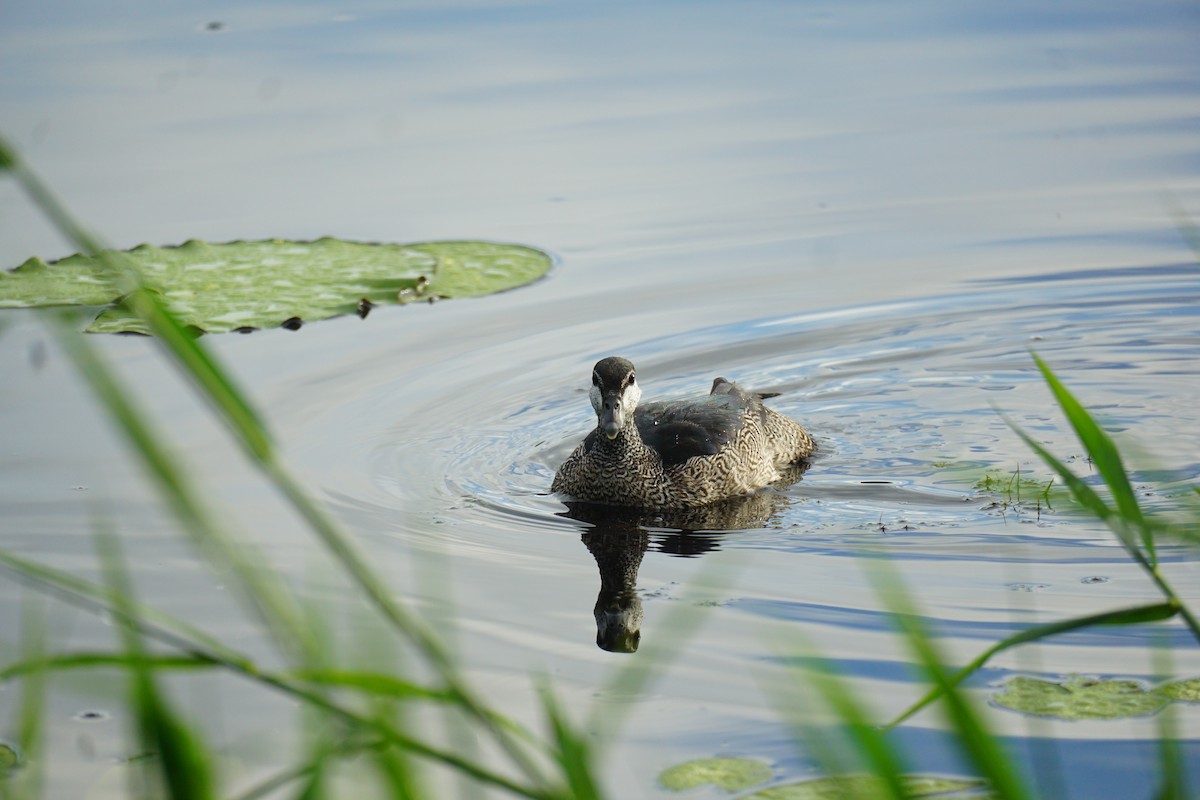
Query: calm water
{"points": [[876, 212]]}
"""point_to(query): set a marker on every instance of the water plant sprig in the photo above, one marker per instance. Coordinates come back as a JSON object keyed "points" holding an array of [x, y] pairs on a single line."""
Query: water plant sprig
{"points": [[1135, 530]]}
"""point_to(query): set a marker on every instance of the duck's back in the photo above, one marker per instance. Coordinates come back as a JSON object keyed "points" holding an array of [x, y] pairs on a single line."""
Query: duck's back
{"points": [[680, 429], [729, 422]]}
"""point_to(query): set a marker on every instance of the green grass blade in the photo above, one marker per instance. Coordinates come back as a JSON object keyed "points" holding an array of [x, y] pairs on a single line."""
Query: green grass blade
{"points": [[314, 788], [375, 684], [89, 596], [396, 774], [184, 765], [195, 362], [28, 782], [127, 612], [1126, 616], [1122, 525], [1104, 455], [72, 661], [574, 753], [505, 734], [8, 158], [262, 589], [272, 785], [882, 757], [981, 748]]}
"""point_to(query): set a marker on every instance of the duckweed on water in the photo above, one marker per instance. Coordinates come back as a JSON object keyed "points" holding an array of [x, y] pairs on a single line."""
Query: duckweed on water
{"points": [[1013, 486], [868, 787], [1184, 691], [1078, 697], [262, 284], [731, 774], [737, 774]]}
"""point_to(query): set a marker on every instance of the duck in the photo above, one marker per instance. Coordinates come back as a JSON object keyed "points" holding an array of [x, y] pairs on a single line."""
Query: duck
{"points": [[678, 454]]}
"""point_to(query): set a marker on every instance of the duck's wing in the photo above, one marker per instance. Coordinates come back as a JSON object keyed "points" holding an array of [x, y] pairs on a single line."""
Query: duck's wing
{"points": [[681, 429]]}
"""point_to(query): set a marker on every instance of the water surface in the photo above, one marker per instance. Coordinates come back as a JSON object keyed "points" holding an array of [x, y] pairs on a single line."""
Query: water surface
{"points": [[876, 212]]}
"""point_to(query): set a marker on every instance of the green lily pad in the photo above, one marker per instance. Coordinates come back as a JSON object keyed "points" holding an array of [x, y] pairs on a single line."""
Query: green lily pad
{"points": [[731, 774], [1080, 698], [867, 787], [237, 285], [1186, 691]]}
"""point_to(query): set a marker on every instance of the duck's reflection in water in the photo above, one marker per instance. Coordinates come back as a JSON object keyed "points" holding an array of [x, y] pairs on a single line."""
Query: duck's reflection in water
{"points": [[619, 538]]}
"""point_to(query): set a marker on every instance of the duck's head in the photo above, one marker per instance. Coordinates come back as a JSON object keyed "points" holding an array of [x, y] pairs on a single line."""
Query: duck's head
{"points": [[614, 394]]}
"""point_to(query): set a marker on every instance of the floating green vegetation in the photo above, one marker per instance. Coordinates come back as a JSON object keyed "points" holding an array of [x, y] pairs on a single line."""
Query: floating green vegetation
{"points": [[736, 774], [215, 288], [731, 774], [1184, 691], [8, 758], [1078, 697], [869, 787], [1013, 486], [1018, 489]]}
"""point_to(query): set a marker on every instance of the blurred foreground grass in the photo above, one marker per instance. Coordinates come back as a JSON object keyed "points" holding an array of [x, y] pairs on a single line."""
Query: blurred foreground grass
{"points": [[363, 717]]}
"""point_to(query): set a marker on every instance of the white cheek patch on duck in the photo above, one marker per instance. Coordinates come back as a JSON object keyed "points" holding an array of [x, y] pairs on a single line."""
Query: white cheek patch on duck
{"points": [[629, 399], [597, 400]]}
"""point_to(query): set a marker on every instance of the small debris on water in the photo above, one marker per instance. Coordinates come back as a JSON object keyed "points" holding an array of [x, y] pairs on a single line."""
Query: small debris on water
{"points": [[91, 716], [37, 354]]}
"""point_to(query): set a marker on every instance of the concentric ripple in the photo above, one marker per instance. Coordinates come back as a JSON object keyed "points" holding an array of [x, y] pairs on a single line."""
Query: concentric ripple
{"points": [[903, 399]]}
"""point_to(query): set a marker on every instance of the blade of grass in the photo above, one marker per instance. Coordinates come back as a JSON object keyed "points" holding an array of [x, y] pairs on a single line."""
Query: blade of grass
{"points": [[396, 772], [129, 613], [882, 758], [1104, 455], [259, 588], [184, 765], [977, 743], [1089, 499], [195, 362], [90, 597], [800, 713], [28, 782], [574, 754], [276, 782], [72, 661]]}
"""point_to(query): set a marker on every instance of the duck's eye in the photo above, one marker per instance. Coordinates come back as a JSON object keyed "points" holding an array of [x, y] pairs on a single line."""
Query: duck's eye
{"points": [[632, 378]]}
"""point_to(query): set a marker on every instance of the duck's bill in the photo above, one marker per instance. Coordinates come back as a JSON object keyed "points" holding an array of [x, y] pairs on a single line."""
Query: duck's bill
{"points": [[611, 422]]}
